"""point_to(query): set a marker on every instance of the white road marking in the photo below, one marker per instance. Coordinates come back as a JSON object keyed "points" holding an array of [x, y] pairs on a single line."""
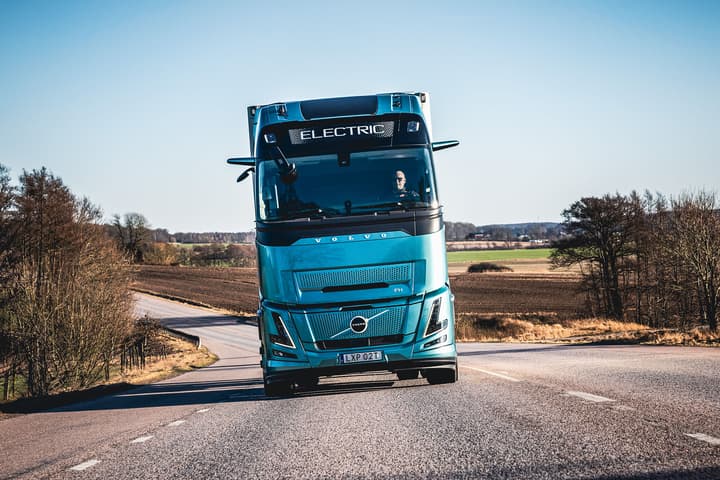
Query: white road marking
{"points": [[590, 397], [203, 410], [85, 465], [142, 439], [499, 375], [176, 423], [704, 438]]}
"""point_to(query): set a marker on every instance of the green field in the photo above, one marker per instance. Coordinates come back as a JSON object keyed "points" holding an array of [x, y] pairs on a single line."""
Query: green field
{"points": [[498, 255]]}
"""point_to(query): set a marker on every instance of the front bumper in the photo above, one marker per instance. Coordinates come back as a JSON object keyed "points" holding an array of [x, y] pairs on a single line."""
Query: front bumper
{"points": [[416, 334], [300, 373], [395, 359]]}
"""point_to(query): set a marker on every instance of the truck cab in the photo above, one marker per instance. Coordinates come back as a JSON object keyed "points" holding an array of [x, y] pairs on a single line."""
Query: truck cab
{"points": [[350, 240]]}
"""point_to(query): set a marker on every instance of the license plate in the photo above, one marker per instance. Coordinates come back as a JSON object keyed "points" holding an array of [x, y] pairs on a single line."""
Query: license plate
{"points": [[361, 357]]}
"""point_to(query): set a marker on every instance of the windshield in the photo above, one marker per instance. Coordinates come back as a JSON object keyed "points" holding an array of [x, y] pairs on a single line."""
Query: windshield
{"points": [[357, 183]]}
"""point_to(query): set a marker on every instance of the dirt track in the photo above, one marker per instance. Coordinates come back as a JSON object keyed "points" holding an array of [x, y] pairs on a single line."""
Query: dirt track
{"points": [[236, 289]]}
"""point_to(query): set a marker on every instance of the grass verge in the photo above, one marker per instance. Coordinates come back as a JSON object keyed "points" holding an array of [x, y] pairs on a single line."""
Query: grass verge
{"points": [[547, 327], [182, 357]]}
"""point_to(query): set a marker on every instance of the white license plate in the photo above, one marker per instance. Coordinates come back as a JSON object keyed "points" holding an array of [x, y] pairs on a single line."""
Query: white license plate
{"points": [[361, 357]]}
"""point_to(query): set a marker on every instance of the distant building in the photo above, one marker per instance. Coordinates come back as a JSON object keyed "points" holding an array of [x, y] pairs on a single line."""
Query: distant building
{"points": [[477, 236]]}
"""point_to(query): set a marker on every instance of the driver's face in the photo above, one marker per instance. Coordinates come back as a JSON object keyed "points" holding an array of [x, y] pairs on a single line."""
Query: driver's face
{"points": [[400, 180]]}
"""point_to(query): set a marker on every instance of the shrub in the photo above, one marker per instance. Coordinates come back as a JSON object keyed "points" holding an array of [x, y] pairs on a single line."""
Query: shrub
{"points": [[488, 267]]}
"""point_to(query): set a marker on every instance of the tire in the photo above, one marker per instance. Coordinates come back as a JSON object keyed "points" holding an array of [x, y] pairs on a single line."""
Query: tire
{"points": [[308, 382], [438, 376], [407, 374], [277, 389]]}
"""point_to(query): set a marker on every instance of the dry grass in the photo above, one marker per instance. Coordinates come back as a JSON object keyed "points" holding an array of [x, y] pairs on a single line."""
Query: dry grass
{"points": [[696, 336], [542, 326], [548, 327], [184, 358]]}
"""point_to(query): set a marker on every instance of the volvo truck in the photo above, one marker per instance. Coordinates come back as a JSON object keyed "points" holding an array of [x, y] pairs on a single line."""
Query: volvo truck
{"points": [[350, 240]]}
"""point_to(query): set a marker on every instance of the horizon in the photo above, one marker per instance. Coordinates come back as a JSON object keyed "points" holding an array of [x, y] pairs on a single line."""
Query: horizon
{"points": [[171, 232]]}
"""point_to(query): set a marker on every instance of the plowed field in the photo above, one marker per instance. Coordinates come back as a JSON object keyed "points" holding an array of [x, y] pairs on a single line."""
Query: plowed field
{"points": [[512, 293], [231, 288], [236, 289]]}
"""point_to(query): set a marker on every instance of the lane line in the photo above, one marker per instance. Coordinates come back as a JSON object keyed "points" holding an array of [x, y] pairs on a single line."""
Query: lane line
{"points": [[590, 397], [705, 438], [176, 423], [487, 372], [203, 410], [142, 439], [85, 465]]}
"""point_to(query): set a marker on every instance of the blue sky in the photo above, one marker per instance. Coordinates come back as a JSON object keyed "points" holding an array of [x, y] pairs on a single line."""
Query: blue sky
{"points": [[137, 104]]}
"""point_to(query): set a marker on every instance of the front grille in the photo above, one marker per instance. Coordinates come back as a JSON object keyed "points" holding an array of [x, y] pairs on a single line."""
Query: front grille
{"points": [[335, 325], [319, 280], [359, 342]]}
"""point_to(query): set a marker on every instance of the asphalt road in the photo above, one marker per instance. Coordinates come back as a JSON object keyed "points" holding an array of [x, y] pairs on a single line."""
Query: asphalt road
{"points": [[519, 411]]}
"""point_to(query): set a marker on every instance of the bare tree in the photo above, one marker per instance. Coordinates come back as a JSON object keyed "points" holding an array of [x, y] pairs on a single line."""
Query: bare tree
{"points": [[696, 226], [162, 254], [68, 304], [133, 234], [600, 237], [6, 191], [7, 195], [7, 357]]}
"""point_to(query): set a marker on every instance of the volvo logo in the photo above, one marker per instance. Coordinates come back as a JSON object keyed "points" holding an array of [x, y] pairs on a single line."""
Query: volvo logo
{"points": [[358, 324], [352, 238]]}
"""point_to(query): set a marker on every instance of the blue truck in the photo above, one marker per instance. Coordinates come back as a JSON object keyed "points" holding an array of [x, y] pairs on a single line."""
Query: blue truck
{"points": [[350, 240]]}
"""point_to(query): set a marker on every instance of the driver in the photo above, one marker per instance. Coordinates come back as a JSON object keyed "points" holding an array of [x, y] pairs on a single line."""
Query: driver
{"points": [[400, 191]]}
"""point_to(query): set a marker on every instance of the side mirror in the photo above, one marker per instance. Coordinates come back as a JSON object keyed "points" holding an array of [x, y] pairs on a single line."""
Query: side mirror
{"points": [[247, 161], [443, 145], [245, 174]]}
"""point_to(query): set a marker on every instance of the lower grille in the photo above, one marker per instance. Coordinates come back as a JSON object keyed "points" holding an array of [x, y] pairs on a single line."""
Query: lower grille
{"points": [[359, 342], [334, 325]]}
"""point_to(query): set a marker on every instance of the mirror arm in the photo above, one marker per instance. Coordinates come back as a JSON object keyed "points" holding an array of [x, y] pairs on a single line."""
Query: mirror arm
{"points": [[247, 161], [443, 145]]}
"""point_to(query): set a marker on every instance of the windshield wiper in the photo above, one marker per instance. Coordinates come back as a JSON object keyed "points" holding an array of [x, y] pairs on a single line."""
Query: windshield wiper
{"points": [[383, 207], [288, 171], [311, 212]]}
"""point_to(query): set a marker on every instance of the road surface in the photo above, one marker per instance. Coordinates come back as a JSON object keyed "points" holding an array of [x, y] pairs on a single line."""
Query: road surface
{"points": [[519, 411]]}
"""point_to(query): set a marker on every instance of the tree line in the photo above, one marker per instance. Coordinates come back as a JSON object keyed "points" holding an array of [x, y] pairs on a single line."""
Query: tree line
{"points": [[646, 258], [459, 231], [133, 235]]}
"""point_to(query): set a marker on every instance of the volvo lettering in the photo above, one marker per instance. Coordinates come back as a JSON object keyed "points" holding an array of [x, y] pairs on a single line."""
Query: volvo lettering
{"points": [[350, 240]]}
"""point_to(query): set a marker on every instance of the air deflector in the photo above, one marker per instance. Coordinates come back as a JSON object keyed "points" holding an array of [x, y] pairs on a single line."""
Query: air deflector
{"points": [[339, 107]]}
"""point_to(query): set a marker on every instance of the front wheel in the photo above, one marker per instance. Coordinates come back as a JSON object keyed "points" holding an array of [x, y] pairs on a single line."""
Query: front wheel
{"points": [[436, 376], [308, 382], [277, 389], [407, 374]]}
